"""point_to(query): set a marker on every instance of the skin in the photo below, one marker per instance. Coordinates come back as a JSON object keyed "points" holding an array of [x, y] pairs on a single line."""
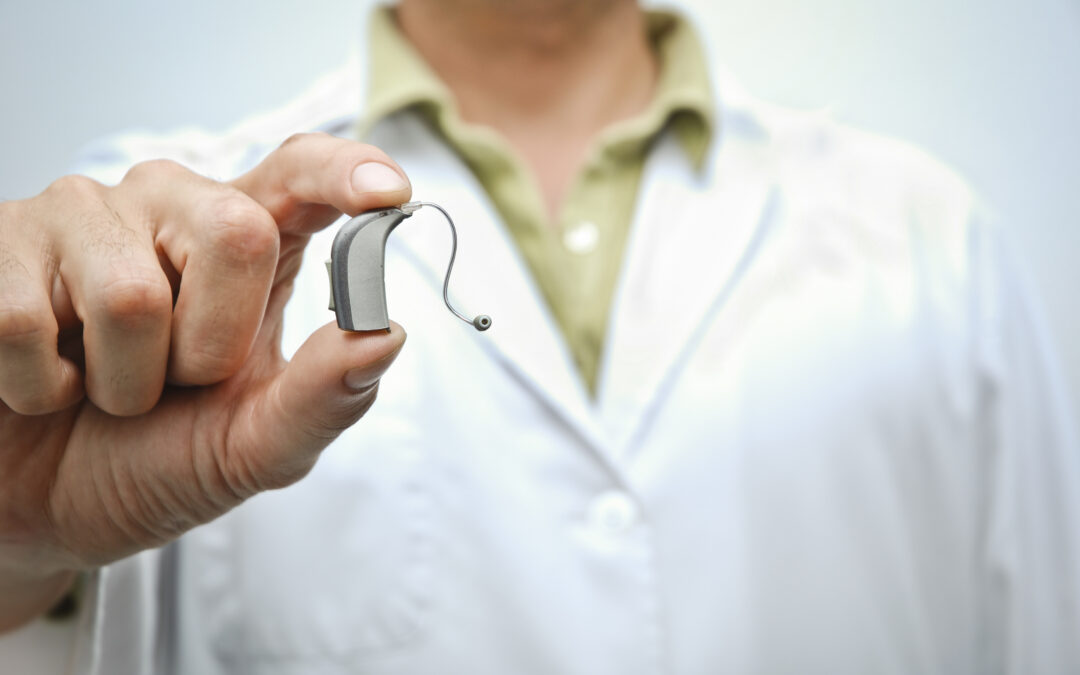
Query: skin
{"points": [[588, 64], [142, 387], [99, 457]]}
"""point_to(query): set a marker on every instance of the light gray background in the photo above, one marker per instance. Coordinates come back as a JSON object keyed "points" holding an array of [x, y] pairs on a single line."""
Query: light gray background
{"points": [[991, 86]]}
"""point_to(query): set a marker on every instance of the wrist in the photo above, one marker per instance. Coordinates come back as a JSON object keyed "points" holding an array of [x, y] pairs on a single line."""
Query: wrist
{"points": [[28, 595]]}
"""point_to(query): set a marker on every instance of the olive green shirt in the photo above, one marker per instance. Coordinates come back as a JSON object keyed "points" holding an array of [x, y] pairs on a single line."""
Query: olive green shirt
{"points": [[575, 260]]}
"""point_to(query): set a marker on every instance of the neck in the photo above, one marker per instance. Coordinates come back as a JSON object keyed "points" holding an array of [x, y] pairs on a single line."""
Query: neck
{"points": [[547, 74]]}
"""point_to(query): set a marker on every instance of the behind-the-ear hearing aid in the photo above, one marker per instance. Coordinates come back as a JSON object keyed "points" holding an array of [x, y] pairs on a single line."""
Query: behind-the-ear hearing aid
{"points": [[356, 265]]}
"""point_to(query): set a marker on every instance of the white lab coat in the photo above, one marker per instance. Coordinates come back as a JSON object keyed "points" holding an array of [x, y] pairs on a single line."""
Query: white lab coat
{"points": [[827, 439]]}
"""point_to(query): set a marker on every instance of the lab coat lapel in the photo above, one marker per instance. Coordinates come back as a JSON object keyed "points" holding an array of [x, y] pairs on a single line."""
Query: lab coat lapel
{"points": [[692, 238], [489, 276]]}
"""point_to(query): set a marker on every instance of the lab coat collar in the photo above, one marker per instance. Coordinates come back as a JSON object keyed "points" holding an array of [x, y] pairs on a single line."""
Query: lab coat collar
{"points": [[693, 238], [686, 249]]}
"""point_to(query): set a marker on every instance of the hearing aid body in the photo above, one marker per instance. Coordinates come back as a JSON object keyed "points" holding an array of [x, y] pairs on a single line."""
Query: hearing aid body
{"points": [[357, 265]]}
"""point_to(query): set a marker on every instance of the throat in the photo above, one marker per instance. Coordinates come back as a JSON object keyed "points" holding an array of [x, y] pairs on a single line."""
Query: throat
{"points": [[548, 75]]}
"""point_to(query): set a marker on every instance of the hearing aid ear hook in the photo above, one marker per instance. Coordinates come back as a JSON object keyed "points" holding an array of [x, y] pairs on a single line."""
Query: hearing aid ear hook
{"points": [[356, 267]]}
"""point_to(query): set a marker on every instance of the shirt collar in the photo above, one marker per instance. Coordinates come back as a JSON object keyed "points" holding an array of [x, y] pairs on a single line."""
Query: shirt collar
{"points": [[399, 79]]}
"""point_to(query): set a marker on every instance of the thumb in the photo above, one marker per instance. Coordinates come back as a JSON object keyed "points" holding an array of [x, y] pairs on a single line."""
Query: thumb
{"points": [[329, 385]]}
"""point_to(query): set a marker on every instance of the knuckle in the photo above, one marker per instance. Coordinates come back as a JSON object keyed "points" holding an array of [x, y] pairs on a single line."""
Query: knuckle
{"points": [[23, 322], [11, 211], [124, 404], [135, 299], [211, 361], [242, 231], [42, 400], [348, 154], [369, 152], [303, 138], [259, 475], [152, 170], [12, 269], [25, 329], [74, 186]]}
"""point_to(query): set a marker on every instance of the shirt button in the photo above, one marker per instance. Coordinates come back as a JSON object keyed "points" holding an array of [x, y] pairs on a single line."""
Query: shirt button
{"points": [[581, 238], [613, 512]]}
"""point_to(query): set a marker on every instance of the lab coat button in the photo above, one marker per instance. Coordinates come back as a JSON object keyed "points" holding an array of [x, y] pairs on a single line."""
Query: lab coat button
{"points": [[613, 512], [581, 238]]}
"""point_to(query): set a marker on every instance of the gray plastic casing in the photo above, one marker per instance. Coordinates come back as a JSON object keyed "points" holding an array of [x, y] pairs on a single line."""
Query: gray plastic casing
{"points": [[356, 268]]}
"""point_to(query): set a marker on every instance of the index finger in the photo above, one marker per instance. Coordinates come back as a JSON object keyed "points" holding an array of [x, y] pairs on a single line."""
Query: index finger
{"points": [[311, 179]]}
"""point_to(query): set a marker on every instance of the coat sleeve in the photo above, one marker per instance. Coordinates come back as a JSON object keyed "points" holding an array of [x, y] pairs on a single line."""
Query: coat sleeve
{"points": [[1032, 535], [118, 626]]}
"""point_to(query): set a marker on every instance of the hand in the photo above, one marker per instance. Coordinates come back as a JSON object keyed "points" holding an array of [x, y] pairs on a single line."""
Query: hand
{"points": [[142, 387]]}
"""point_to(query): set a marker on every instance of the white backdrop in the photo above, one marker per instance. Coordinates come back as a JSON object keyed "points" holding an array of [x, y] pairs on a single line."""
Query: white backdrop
{"points": [[991, 86]]}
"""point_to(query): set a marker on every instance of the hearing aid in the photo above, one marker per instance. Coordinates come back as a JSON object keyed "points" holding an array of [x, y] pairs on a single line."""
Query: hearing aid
{"points": [[357, 264]]}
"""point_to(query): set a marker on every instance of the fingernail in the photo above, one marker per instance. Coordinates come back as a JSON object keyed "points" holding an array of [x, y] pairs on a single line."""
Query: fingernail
{"points": [[376, 177], [364, 378]]}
